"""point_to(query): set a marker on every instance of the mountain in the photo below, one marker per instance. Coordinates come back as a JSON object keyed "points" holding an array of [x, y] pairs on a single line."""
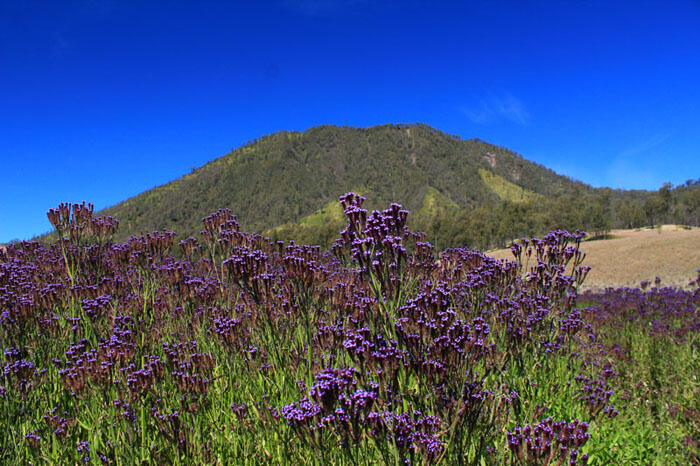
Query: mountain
{"points": [[285, 176], [286, 185]]}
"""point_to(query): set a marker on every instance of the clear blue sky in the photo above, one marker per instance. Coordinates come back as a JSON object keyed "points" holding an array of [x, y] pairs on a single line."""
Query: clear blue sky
{"points": [[101, 100]]}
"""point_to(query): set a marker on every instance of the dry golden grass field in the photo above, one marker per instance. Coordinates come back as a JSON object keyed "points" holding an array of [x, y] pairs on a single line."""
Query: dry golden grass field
{"points": [[630, 256]]}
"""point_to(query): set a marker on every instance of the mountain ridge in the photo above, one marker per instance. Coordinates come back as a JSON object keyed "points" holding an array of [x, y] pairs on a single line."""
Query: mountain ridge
{"points": [[276, 181], [301, 148]]}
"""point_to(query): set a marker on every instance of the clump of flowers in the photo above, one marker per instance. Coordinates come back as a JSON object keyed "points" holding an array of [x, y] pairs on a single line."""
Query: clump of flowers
{"points": [[549, 442], [230, 346]]}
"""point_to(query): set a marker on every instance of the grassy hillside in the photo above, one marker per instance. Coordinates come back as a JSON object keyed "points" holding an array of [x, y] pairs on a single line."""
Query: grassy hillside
{"points": [[435, 202], [506, 190]]}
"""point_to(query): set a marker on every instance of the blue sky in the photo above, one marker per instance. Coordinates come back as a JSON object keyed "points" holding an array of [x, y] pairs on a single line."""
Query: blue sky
{"points": [[101, 100]]}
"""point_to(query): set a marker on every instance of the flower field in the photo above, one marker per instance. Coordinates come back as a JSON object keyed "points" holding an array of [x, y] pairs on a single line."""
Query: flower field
{"points": [[231, 349]]}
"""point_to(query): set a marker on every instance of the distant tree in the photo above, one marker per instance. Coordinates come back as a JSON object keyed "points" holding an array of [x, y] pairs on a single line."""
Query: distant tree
{"points": [[638, 216], [687, 203], [666, 201], [566, 212], [653, 209], [626, 212], [597, 220], [599, 212]]}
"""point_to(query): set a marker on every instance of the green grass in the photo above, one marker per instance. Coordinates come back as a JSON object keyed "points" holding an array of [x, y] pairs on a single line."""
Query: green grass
{"points": [[506, 190], [657, 391], [434, 202], [659, 376]]}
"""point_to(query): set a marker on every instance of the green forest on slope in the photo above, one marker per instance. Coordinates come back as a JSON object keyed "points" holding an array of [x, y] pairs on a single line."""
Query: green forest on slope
{"points": [[461, 192]]}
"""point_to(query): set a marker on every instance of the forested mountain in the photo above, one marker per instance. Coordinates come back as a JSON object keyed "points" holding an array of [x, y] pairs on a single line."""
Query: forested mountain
{"points": [[465, 192]]}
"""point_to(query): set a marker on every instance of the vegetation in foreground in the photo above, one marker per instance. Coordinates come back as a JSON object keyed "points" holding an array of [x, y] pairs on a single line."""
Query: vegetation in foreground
{"points": [[245, 351]]}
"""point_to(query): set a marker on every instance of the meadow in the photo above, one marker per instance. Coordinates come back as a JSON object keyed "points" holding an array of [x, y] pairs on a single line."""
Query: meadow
{"points": [[232, 349], [629, 256]]}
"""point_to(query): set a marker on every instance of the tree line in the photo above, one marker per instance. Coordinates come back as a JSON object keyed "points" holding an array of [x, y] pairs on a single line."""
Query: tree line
{"points": [[496, 224]]}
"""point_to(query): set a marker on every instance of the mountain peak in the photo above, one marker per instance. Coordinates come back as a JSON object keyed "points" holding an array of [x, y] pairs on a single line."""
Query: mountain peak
{"points": [[278, 180]]}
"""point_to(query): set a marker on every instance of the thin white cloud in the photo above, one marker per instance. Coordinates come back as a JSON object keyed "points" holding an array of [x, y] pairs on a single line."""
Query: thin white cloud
{"points": [[633, 167], [644, 146], [497, 108]]}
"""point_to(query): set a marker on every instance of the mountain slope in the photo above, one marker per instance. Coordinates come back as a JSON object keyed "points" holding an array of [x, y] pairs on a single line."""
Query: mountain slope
{"points": [[284, 177]]}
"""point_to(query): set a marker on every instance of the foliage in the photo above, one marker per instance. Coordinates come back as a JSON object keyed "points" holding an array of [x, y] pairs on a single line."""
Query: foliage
{"points": [[651, 337], [245, 350]]}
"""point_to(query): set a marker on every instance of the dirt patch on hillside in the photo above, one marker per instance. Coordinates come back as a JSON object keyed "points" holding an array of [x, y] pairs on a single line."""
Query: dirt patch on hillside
{"points": [[672, 253]]}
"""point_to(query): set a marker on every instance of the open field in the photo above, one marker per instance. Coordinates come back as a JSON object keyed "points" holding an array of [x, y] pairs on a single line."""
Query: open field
{"points": [[631, 256]]}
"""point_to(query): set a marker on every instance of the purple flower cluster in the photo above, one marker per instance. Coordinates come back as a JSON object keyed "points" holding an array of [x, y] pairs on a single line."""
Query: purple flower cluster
{"points": [[334, 403], [377, 346], [549, 442], [378, 242], [411, 432], [20, 373], [595, 394], [662, 311]]}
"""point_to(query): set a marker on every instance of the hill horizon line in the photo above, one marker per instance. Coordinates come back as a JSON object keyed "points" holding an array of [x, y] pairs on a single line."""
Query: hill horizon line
{"points": [[288, 182]]}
